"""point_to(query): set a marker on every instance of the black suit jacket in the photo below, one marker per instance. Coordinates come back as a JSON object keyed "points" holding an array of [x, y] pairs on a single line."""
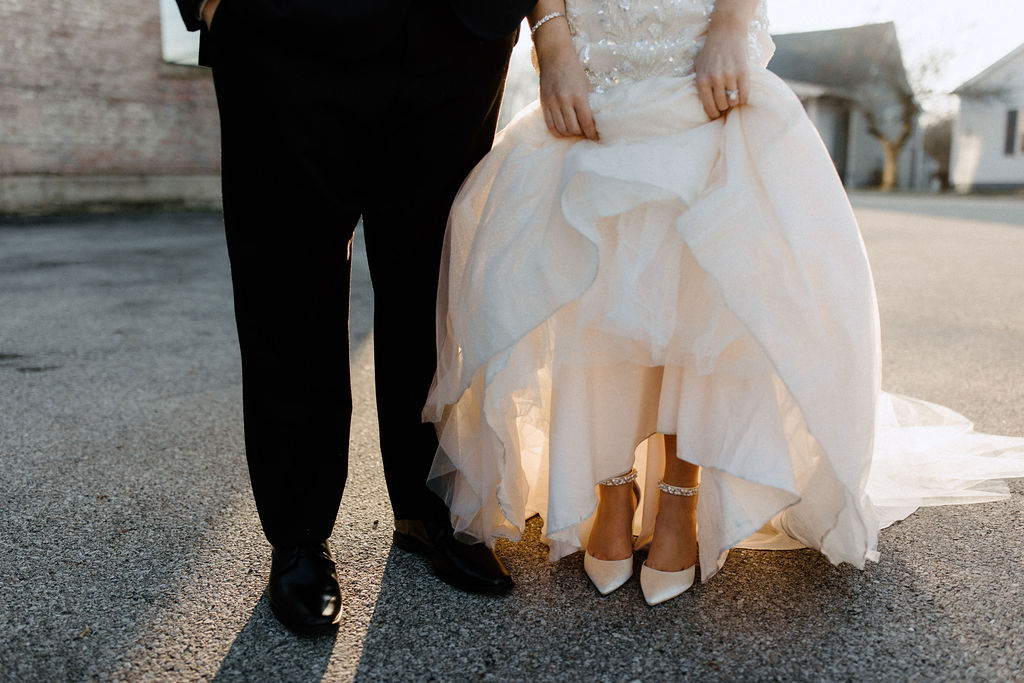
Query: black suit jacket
{"points": [[489, 19]]}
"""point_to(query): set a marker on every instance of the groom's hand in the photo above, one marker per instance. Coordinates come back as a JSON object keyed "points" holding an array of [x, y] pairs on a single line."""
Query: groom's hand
{"points": [[209, 9]]}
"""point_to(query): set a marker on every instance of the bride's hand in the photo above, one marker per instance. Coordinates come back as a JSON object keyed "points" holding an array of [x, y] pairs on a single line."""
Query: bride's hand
{"points": [[564, 86], [564, 97], [722, 69]]}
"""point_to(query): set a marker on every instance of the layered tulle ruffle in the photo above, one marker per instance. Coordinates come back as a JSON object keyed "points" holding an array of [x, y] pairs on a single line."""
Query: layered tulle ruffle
{"points": [[684, 276]]}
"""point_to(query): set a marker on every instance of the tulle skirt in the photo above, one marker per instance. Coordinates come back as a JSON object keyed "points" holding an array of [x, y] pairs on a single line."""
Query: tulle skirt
{"points": [[681, 276]]}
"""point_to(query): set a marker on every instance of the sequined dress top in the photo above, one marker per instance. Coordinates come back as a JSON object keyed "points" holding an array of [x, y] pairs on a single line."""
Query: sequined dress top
{"points": [[621, 41]]}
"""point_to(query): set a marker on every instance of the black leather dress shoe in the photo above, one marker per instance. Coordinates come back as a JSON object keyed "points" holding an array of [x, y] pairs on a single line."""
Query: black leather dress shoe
{"points": [[304, 593], [473, 568]]}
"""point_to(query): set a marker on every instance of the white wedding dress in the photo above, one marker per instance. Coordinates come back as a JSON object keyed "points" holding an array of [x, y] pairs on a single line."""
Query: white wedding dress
{"points": [[683, 276]]}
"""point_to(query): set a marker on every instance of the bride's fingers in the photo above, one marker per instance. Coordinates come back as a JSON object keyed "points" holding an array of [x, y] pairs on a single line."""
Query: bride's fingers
{"points": [[571, 117], [558, 122], [572, 124], [743, 85], [721, 97], [586, 119], [707, 98], [550, 122]]}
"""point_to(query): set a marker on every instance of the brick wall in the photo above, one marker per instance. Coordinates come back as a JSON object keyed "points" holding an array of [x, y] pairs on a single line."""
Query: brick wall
{"points": [[84, 91]]}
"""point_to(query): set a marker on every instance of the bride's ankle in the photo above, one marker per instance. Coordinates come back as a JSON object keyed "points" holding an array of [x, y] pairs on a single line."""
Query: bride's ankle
{"points": [[611, 537], [615, 496], [674, 546], [618, 496]]}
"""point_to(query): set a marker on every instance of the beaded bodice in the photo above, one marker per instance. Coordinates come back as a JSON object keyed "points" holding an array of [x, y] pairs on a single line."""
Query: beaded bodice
{"points": [[629, 40]]}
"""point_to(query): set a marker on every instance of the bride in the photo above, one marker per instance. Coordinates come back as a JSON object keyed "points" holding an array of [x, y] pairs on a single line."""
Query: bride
{"points": [[654, 287]]}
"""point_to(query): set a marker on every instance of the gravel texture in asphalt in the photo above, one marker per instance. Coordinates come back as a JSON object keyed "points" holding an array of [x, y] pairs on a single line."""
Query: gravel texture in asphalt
{"points": [[130, 547]]}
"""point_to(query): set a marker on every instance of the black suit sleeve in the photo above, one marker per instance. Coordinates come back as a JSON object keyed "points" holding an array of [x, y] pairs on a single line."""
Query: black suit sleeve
{"points": [[190, 13], [492, 19]]}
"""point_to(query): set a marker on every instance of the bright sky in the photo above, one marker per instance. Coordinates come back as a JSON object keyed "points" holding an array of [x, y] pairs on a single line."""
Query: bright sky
{"points": [[972, 34]]}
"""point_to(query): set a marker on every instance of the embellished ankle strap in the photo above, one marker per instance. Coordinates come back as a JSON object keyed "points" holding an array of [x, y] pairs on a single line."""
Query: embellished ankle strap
{"points": [[627, 478], [678, 490]]}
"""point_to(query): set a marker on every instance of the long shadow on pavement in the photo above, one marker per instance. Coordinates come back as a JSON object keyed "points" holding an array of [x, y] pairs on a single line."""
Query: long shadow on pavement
{"points": [[767, 615], [250, 658]]}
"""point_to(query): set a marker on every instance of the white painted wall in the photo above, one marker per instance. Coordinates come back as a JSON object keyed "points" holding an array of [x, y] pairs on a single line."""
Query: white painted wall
{"points": [[979, 135]]}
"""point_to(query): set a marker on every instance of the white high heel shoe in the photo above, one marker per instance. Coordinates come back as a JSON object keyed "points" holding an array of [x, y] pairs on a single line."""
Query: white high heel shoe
{"points": [[607, 575], [659, 586]]}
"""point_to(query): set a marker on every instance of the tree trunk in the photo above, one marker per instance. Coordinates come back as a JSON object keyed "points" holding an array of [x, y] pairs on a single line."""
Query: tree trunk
{"points": [[891, 170]]}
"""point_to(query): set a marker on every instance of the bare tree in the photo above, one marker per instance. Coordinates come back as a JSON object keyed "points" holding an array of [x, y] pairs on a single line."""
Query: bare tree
{"points": [[892, 105], [891, 114]]}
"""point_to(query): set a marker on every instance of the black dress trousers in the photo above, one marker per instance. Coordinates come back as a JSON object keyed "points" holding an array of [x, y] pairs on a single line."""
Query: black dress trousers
{"points": [[331, 112]]}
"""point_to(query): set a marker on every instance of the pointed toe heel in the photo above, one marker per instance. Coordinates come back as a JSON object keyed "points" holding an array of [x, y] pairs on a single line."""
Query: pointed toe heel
{"points": [[607, 575], [659, 586]]}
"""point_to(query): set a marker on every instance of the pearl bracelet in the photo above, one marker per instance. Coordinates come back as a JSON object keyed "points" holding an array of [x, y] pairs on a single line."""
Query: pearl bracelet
{"points": [[545, 19]]}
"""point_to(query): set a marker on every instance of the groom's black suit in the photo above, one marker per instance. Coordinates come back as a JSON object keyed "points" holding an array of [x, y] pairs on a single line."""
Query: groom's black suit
{"points": [[332, 111]]}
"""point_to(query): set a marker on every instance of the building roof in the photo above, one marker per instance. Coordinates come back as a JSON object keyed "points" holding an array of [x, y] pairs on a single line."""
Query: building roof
{"points": [[814, 90], [978, 81], [841, 58]]}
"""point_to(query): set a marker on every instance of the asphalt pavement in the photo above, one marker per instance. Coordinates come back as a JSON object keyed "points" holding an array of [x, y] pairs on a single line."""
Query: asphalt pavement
{"points": [[130, 547]]}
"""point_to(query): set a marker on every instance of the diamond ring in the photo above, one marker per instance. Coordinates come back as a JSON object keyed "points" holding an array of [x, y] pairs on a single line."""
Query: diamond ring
{"points": [[733, 95]]}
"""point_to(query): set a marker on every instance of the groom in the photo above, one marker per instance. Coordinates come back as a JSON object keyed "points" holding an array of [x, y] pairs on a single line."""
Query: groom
{"points": [[332, 110]]}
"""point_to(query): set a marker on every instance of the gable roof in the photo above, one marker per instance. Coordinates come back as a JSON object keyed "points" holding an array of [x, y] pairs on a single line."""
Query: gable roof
{"points": [[841, 58], [989, 71]]}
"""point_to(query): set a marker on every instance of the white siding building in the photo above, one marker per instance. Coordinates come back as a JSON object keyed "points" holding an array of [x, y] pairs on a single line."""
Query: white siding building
{"points": [[988, 137]]}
